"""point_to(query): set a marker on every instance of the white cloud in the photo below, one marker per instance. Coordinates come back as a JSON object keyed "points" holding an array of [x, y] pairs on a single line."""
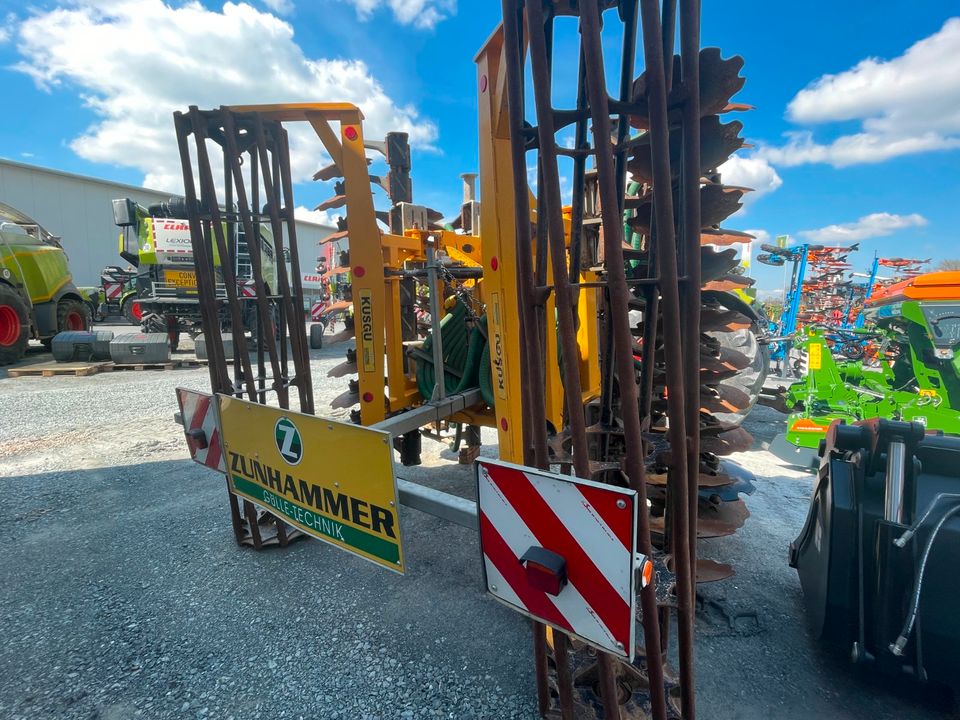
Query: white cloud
{"points": [[321, 217], [752, 172], [759, 236], [905, 105], [869, 226], [423, 14], [281, 7], [865, 147], [135, 62], [8, 27]]}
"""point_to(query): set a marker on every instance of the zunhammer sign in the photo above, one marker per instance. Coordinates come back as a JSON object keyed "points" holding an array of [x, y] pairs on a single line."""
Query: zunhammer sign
{"points": [[331, 480]]}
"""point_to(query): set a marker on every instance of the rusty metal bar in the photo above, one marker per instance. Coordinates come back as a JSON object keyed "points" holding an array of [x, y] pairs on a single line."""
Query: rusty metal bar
{"points": [[532, 372], [552, 215], [623, 341], [540, 665], [251, 230], [629, 15], [673, 350], [579, 173], [260, 313], [206, 291], [206, 277], [668, 33], [561, 653], [690, 228], [298, 334], [272, 160], [209, 194], [276, 226]]}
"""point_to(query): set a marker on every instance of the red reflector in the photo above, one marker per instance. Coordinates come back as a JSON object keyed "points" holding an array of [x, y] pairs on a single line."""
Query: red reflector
{"points": [[368, 397], [503, 424], [494, 263], [545, 569], [359, 271], [351, 133]]}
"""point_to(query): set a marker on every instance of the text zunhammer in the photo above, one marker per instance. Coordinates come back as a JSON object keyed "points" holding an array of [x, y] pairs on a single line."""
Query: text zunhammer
{"points": [[329, 502]]}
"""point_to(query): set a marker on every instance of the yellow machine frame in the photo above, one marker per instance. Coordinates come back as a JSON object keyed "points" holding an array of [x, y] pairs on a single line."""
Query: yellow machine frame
{"points": [[385, 388]]}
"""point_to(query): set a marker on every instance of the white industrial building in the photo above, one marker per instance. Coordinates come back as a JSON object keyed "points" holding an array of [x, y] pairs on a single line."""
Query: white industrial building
{"points": [[78, 209]]}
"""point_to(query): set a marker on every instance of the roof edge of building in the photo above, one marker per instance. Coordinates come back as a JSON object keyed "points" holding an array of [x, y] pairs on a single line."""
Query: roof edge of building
{"points": [[103, 181]]}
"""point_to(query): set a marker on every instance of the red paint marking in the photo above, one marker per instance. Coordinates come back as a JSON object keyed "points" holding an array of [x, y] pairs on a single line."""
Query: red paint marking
{"points": [[604, 503], [508, 565], [552, 534], [213, 451], [199, 412]]}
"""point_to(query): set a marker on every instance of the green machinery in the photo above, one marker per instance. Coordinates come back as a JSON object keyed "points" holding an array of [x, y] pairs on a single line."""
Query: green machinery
{"points": [[911, 374], [37, 296], [156, 241]]}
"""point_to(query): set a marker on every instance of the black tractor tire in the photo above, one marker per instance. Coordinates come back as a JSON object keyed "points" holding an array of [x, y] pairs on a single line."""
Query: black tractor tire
{"points": [[14, 326], [72, 315], [153, 323], [751, 378], [316, 335], [127, 310], [94, 312]]}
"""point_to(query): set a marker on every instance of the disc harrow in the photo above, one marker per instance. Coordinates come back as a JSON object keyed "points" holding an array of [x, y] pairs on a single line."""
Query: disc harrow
{"points": [[629, 356]]}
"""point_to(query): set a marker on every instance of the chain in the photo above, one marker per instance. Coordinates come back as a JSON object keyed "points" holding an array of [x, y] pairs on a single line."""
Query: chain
{"points": [[474, 307]]}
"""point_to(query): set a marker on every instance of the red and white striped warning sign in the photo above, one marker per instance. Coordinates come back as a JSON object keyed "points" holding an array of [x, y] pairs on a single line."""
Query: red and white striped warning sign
{"points": [[248, 288], [112, 290], [316, 312], [200, 427], [561, 550]]}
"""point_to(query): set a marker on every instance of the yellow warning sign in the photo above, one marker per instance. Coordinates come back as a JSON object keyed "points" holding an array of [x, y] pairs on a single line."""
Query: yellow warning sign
{"points": [[816, 356], [331, 480]]}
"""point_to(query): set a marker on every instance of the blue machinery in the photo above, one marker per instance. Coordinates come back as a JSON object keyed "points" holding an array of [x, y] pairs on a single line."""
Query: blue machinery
{"points": [[787, 326]]}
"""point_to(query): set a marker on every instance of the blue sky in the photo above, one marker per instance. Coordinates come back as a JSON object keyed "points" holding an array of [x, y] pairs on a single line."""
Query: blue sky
{"points": [[856, 130]]}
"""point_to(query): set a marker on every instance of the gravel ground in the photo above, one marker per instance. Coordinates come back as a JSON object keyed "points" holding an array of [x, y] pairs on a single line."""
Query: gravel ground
{"points": [[125, 596]]}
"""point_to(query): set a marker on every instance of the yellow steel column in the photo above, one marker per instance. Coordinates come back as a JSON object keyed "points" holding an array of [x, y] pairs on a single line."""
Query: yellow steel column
{"points": [[366, 262], [497, 230]]}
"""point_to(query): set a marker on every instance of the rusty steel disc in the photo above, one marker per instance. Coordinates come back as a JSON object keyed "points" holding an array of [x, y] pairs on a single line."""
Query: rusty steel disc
{"points": [[345, 400], [712, 571], [343, 369], [721, 520], [720, 236]]}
